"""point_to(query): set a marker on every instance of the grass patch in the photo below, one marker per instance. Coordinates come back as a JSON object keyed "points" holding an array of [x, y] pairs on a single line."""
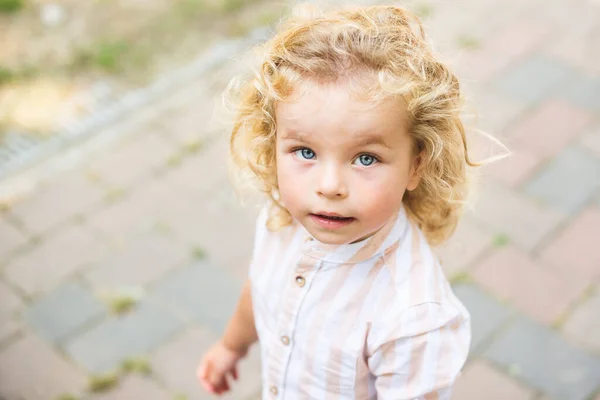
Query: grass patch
{"points": [[460, 277], [194, 146], [107, 54], [175, 160], [423, 10], [229, 6], [468, 42], [102, 383], [66, 397], [198, 253], [122, 303], [11, 6], [136, 365], [501, 240], [114, 194], [6, 75]]}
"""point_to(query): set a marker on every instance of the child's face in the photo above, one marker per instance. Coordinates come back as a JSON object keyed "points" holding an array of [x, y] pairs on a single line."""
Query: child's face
{"points": [[343, 164]]}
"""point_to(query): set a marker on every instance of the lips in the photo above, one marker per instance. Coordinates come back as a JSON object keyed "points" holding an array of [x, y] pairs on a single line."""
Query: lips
{"points": [[331, 220]]}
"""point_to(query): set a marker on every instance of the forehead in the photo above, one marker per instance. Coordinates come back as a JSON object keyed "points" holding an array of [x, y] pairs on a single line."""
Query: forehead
{"points": [[338, 108]]}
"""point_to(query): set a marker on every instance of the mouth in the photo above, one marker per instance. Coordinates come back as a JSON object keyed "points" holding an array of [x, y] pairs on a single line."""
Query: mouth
{"points": [[331, 220]]}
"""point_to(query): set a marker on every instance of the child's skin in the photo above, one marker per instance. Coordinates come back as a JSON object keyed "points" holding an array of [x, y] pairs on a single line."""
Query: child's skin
{"points": [[337, 154]]}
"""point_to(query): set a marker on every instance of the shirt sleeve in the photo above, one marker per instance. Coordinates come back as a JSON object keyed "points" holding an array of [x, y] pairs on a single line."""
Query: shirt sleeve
{"points": [[420, 355], [260, 237]]}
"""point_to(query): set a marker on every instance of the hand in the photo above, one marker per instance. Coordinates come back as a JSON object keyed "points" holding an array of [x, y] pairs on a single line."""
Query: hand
{"points": [[218, 362]]}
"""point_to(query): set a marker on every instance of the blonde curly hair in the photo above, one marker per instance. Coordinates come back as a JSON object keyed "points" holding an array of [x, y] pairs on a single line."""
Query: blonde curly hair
{"points": [[388, 42]]}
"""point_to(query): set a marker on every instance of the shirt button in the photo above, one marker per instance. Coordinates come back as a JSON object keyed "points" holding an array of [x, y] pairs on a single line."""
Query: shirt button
{"points": [[274, 390], [285, 340], [300, 281]]}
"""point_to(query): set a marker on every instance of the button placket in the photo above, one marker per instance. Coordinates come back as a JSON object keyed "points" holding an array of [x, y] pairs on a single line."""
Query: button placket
{"points": [[297, 293]]}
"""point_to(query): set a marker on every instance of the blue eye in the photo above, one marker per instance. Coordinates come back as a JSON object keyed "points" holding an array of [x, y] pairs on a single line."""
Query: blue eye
{"points": [[365, 160], [305, 153]]}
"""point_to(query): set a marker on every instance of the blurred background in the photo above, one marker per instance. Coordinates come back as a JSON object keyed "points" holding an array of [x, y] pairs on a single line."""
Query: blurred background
{"points": [[123, 246]]}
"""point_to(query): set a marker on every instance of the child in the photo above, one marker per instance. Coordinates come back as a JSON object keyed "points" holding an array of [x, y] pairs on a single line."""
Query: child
{"points": [[351, 127]]}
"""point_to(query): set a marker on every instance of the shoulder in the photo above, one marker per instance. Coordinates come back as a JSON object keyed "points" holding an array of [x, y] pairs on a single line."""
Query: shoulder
{"points": [[415, 272]]}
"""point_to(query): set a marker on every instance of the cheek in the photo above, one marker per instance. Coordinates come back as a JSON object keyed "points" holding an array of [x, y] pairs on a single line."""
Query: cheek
{"points": [[383, 191], [290, 187]]}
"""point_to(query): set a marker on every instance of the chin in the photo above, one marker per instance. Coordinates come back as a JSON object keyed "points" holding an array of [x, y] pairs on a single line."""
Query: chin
{"points": [[332, 237]]}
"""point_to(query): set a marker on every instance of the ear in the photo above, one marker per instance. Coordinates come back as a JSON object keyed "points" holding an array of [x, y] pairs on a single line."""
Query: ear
{"points": [[414, 176]]}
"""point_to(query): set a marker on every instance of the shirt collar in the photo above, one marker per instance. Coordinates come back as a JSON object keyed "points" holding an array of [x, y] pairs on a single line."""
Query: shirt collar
{"points": [[363, 250]]}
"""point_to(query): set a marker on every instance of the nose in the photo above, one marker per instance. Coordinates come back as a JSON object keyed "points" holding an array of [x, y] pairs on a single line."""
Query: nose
{"points": [[331, 182]]}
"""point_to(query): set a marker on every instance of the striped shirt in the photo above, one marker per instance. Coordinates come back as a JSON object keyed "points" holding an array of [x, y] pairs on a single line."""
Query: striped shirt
{"points": [[374, 319]]}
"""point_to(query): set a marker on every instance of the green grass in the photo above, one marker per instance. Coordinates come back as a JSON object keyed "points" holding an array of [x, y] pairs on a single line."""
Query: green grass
{"points": [[6, 75], [102, 383], [198, 253], [11, 6], [66, 397], [423, 10], [194, 146], [107, 54], [501, 240], [121, 303], [232, 5], [468, 42], [136, 365], [460, 277]]}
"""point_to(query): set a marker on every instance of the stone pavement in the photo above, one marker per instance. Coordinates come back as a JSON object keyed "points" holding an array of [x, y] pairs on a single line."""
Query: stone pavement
{"points": [[114, 279]]}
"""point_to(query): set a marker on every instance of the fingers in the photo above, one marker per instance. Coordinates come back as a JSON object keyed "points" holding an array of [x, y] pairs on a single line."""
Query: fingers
{"points": [[234, 373], [202, 374], [213, 380]]}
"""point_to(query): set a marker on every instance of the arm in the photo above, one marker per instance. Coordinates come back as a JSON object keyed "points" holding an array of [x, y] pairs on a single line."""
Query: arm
{"points": [[219, 364], [240, 333]]}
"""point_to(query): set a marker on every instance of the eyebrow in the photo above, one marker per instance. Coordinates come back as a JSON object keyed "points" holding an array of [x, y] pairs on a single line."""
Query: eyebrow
{"points": [[363, 140], [372, 140]]}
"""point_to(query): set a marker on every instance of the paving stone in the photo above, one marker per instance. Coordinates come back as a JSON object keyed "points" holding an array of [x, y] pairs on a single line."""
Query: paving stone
{"points": [[577, 44], [135, 387], [513, 41], [31, 369], [480, 380], [584, 91], [525, 221], [143, 260], [468, 243], [63, 311], [191, 217], [9, 300], [533, 79], [176, 363], [203, 292], [583, 325], [104, 347], [493, 113], [57, 201], [135, 214], [55, 258], [568, 182], [9, 327], [542, 358], [136, 158], [12, 239], [487, 315], [516, 168], [575, 249], [542, 292], [200, 172], [591, 140], [549, 128]]}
